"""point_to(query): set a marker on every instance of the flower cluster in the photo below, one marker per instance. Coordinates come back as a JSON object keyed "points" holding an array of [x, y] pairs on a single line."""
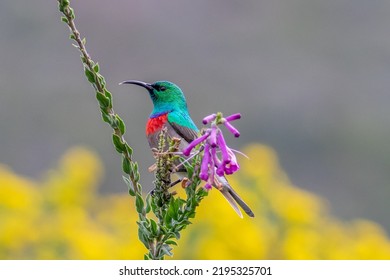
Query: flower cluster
{"points": [[212, 163]]}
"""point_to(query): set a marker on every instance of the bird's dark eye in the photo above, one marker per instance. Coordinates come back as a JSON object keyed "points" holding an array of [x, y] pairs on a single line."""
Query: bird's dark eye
{"points": [[159, 88]]}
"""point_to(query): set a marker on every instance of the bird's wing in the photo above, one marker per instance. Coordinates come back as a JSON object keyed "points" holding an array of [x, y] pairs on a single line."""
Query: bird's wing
{"points": [[184, 132], [183, 125]]}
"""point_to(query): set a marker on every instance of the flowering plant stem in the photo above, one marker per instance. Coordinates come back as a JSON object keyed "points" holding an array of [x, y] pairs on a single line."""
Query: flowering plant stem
{"points": [[172, 213]]}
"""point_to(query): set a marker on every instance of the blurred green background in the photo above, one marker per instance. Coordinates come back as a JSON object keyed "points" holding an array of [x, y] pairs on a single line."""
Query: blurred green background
{"points": [[310, 77]]}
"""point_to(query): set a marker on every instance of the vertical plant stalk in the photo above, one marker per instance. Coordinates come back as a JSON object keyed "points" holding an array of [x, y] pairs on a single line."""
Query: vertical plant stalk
{"points": [[104, 98]]}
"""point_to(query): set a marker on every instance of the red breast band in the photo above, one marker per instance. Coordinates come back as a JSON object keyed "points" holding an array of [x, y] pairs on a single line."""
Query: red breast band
{"points": [[155, 124]]}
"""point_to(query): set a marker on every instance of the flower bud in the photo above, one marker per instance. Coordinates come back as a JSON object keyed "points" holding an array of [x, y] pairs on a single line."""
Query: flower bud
{"points": [[209, 118]]}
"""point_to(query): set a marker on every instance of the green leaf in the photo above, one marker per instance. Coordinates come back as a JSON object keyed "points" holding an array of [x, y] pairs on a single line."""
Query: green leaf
{"points": [[118, 144], [142, 236], [72, 37], [139, 187], [136, 176], [90, 75], [144, 226], [107, 94], [129, 150], [154, 206], [135, 171], [135, 167], [126, 165], [104, 102], [102, 80], [166, 249], [106, 117], [190, 215], [154, 227], [181, 227], [173, 208], [171, 242], [63, 4], [121, 124], [139, 203], [149, 201], [96, 68], [129, 185], [71, 13], [167, 220], [163, 229], [177, 235], [64, 19]]}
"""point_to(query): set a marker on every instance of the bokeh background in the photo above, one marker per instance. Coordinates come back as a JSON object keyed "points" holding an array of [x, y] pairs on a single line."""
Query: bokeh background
{"points": [[310, 77]]}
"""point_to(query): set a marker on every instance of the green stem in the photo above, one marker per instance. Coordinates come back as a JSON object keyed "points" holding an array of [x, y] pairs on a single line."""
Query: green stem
{"points": [[104, 98]]}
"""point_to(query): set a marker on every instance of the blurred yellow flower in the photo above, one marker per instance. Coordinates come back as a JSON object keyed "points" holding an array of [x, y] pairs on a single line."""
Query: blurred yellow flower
{"points": [[65, 217]]}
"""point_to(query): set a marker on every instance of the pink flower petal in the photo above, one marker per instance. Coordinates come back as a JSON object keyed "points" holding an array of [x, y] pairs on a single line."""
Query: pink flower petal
{"points": [[209, 118], [213, 136], [222, 146], [220, 170], [233, 117], [194, 143], [232, 129], [204, 168], [215, 158]]}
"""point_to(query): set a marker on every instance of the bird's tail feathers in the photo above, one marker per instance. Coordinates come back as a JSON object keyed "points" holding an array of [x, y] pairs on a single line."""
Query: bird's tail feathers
{"points": [[240, 202], [233, 198]]}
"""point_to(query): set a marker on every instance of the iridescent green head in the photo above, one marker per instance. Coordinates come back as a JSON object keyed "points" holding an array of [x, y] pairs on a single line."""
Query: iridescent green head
{"points": [[166, 96]]}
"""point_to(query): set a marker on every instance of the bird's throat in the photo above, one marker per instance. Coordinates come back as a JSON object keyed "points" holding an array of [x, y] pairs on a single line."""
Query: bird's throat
{"points": [[155, 124]]}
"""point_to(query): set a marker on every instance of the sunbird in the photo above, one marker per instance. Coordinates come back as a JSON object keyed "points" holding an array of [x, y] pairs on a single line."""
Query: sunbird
{"points": [[170, 110]]}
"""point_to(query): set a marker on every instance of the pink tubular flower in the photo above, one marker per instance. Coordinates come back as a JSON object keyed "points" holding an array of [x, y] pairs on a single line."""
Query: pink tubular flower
{"points": [[231, 168], [209, 118], [222, 146], [233, 165], [204, 168], [213, 136], [217, 162], [215, 158], [232, 129], [213, 164], [220, 170], [233, 117], [194, 143]]}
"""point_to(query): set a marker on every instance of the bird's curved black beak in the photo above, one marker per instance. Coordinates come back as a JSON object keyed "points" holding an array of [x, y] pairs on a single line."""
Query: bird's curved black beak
{"points": [[138, 83]]}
